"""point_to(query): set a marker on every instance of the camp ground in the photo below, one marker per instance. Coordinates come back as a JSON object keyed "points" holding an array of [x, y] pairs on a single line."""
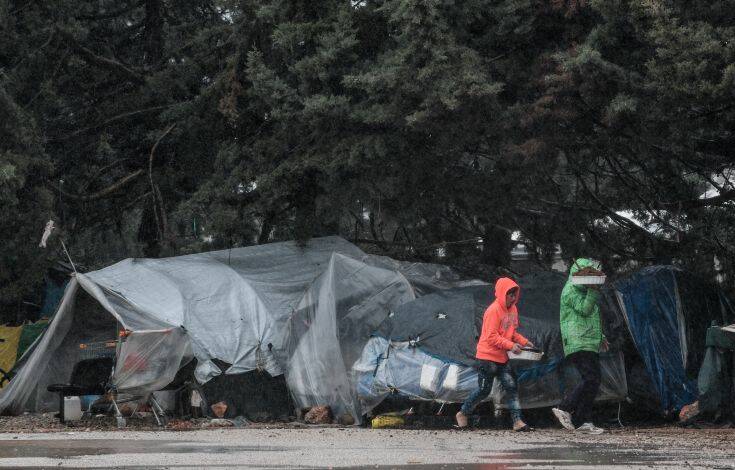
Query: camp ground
{"points": [[425, 349], [276, 331], [280, 309]]}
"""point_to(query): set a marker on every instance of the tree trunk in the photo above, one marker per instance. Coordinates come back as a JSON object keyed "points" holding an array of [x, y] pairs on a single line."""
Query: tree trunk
{"points": [[153, 33]]}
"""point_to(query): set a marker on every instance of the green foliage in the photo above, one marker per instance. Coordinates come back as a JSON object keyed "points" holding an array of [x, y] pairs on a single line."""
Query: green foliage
{"points": [[154, 128]]}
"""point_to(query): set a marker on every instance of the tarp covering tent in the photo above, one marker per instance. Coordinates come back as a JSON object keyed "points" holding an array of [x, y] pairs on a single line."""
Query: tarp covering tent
{"points": [[327, 333], [254, 308], [715, 378], [668, 311], [425, 349]]}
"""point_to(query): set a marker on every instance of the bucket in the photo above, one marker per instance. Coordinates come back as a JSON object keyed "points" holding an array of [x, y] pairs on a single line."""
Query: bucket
{"points": [[87, 400], [72, 408], [527, 354]]}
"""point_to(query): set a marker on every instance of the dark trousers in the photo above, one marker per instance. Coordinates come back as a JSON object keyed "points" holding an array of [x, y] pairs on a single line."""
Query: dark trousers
{"points": [[486, 372], [579, 401]]}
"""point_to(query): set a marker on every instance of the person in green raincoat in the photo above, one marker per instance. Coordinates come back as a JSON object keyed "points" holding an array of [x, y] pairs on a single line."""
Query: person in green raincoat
{"points": [[582, 338]]}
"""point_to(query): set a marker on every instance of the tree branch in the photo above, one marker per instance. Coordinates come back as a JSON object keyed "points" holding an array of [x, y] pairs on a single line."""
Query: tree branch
{"points": [[103, 62], [112, 120], [161, 223], [103, 193], [722, 198]]}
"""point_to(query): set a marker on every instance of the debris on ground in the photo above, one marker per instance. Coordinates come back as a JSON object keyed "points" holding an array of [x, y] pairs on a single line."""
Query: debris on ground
{"points": [[688, 412], [219, 409], [48, 422], [318, 415], [346, 419], [385, 421], [180, 425], [219, 423]]}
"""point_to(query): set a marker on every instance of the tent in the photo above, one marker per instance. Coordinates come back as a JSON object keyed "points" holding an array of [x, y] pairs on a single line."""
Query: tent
{"points": [[715, 378], [668, 311], [279, 308], [425, 349]]}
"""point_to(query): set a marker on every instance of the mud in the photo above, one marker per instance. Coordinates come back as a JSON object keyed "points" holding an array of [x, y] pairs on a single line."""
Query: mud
{"points": [[349, 447]]}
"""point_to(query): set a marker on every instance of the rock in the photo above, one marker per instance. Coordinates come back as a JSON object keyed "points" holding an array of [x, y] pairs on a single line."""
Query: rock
{"points": [[689, 411], [218, 423], [346, 419], [319, 415], [219, 409]]}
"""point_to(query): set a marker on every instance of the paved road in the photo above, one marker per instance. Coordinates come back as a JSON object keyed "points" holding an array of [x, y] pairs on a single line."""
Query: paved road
{"points": [[354, 447]]}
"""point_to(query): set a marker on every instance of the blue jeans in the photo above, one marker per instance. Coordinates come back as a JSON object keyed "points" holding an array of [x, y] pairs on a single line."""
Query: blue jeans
{"points": [[486, 372]]}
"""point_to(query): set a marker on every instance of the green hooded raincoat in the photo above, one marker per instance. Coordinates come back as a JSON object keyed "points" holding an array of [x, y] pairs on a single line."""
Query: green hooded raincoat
{"points": [[579, 314]]}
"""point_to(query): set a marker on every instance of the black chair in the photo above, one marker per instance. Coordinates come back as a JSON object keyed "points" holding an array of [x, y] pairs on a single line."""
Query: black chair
{"points": [[89, 377]]}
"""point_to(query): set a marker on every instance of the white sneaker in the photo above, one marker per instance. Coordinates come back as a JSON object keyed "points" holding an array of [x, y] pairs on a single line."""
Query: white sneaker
{"points": [[590, 428], [565, 419]]}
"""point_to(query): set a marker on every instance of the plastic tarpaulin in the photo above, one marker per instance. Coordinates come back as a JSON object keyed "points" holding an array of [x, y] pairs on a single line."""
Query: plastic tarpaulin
{"points": [[15, 397], [436, 336], [425, 278], [668, 311], [240, 307], [149, 360], [385, 368], [233, 304], [401, 367], [9, 347], [715, 379], [28, 335], [327, 333]]}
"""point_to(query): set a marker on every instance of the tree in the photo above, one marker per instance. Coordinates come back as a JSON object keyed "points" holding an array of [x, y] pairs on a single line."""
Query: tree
{"points": [[26, 204], [424, 129], [642, 112]]}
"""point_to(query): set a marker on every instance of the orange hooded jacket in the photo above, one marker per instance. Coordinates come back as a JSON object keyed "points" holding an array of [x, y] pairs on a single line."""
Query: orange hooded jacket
{"points": [[499, 326]]}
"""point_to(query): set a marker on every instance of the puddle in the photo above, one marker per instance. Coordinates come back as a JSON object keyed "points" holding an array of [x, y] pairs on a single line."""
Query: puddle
{"points": [[61, 449], [574, 455], [577, 456]]}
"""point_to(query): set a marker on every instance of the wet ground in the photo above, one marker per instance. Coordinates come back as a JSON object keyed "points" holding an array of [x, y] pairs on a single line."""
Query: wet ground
{"points": [[665, 447]]}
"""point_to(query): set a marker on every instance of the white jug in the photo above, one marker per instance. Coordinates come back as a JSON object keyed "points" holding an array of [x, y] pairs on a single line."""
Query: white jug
{"points": [[72, 408]]}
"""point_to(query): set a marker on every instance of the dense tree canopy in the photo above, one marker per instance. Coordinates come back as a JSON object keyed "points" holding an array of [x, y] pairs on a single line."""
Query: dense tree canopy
{"points": [[155, 128]]}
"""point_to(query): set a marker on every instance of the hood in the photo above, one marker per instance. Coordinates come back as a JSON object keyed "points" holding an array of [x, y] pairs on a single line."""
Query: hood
{"points": [[580, 263], [502, 286]]}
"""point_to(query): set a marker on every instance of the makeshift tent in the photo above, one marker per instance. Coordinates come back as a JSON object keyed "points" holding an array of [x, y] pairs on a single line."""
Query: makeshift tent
{"points": [[278, 308], [715, 379], [425, 349], [327, 333], [668, 311]]}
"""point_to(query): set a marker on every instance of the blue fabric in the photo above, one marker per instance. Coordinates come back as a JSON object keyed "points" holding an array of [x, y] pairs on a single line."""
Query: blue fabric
{"points": [[52, 296], [535, 372], [650, 300]]}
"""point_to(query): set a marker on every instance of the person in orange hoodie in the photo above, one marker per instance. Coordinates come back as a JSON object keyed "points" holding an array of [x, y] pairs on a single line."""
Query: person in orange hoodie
{"points": [[498, 337]]}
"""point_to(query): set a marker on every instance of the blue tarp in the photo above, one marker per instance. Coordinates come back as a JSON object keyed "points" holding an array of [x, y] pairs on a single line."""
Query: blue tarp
{"points": [[668, 311], [53, 293]]}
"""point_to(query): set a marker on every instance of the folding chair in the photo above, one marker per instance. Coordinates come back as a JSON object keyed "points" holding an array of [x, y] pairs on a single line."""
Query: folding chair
{"points": [[89, 377]]}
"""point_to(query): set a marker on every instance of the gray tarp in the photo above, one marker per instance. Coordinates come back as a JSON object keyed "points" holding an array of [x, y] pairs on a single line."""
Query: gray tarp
{"points": [[279, 307]]}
